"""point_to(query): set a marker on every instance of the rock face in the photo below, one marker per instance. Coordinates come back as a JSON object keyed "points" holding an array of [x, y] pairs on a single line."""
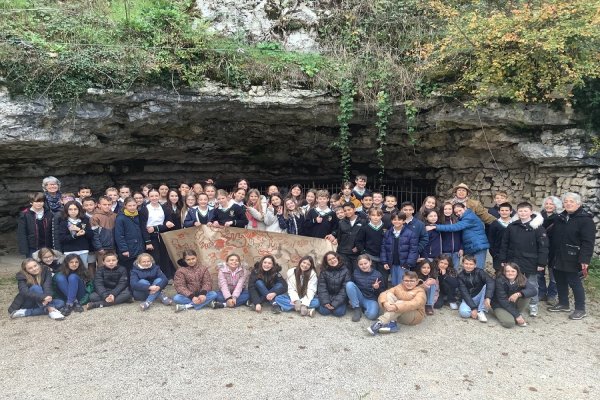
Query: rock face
{"points": [[290, 22], [155, 135]]}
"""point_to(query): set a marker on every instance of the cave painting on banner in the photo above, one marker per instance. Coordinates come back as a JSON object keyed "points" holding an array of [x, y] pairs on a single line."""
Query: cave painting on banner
{"points": [[213, 245]]}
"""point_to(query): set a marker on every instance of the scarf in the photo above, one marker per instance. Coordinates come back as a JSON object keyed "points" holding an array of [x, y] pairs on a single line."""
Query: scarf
{"points": [[252, 220], [53, 202], [130, 214], [457, 200]]}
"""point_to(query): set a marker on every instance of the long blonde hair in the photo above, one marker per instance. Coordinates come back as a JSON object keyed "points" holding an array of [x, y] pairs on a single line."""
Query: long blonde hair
{"points": [[31, 279]]}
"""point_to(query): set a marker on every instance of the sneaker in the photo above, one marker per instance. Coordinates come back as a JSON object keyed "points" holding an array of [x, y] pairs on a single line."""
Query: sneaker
{"points": [[66, 310], [249, 304], [166, 300], [91, 305], [275, 308], [559, 308], [533, 310], [145, 305], [181, 307], [374, 328], [215, 304], [311, 312], [19, 313], [356, 314], [392, 327], [481, 316], [428, 310], [297, 305], [77, 307], [303, 310], [56, 315], [577, 314], [453, 306]]}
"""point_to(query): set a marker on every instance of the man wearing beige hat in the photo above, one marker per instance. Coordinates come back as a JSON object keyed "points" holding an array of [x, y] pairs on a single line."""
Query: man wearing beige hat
{"points": [[461, 195]]}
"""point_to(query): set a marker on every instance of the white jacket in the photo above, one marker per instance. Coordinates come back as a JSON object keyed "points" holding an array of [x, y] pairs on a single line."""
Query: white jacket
{"points": [[311, 288]]}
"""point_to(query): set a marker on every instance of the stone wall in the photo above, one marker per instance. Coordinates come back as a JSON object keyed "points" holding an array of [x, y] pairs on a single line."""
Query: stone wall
{"points": [[154, 135]]}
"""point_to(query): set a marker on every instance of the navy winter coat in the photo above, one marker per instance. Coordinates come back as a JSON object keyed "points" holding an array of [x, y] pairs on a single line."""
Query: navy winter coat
{"points": [[148, 274], [473, 232], [408, 247], [128, 235]]}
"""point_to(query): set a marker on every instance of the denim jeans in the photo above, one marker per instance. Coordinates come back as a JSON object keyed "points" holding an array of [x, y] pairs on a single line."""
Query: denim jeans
{"points": [[38, 308], [244, 297], [533, 279], [548, 290], [340, 311], [564, 280], [144, 295], [72, 287], [285, 302], [264, 291], [397, 274], [181, 299], [430, 294], [480, 257], [357, 299], [465, 311]]}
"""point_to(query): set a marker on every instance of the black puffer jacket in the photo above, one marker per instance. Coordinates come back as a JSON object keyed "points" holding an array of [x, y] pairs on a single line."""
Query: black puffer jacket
{"points": [[525, 246], [255, 296], [471, 283], [504, 289], [111, 281], [573, 240], [28, 235], [27, 298], [331, 287]]}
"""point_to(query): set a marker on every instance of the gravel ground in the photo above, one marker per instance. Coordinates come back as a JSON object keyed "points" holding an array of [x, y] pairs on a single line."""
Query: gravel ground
{"points": [[122, 353]]}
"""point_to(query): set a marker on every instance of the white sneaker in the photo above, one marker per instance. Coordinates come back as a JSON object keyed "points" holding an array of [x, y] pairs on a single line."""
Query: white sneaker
{"points": [[56, 315], [453, 306], [19, 313], [533, 310], [182, 307], [481, 316], [311, 312]]}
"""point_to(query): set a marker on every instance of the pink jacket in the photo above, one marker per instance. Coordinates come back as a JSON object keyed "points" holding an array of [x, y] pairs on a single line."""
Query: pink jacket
{"points": [[231, 283]]}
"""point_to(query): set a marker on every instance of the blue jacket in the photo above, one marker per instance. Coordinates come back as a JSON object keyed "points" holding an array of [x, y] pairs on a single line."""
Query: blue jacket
{"points": [[473, 232], [365, 280], [419, 228], [128, 235], [434, 245], [148, 274], [408, 247]]}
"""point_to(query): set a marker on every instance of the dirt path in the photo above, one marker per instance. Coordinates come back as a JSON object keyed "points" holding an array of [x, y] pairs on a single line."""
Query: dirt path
{"points": [[122, 353]]}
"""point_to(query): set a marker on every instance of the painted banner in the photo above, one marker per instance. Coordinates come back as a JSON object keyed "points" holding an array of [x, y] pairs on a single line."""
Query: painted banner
{"points": [[213, 245]]}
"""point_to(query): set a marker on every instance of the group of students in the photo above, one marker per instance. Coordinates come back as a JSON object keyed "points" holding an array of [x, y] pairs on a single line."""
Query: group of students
{"points": [[417, 255]]}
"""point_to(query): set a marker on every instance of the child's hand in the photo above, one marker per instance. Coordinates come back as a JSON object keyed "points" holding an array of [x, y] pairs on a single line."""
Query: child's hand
{"points": [[329, 307], [228, 223], [429, 228], [389, 307], [386, 267], [199, 299], [47, 300], [430, 281], [520, 320], [150, 229], [474, 314], [153, 289], [376, 283], [169, 224], [198, 223], [319, 219], [271, 296], [148, 247], [110, 298], [231, 303], [514, 297], [258, 308], [126, 253], [487, 303]]}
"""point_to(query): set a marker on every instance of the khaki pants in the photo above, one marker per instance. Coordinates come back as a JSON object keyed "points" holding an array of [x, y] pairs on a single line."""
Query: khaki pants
{"points": [[405, 318], [505, 318]]}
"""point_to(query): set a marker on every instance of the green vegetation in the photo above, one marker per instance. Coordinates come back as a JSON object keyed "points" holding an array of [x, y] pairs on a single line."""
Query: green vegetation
{"points": [[592, 282], [382, 52]]}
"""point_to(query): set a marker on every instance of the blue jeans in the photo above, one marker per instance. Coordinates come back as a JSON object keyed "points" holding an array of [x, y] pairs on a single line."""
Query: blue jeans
{"points": [[181, 299], [72, 286], [465, 311], [564, 280], [144, 295], [262, 289], [549, 290], [285, 302], [430, 294], [480, 257], [338, 312], [357, 299], [244, 297], [533, 279], [397, 274], [38, 308]]}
